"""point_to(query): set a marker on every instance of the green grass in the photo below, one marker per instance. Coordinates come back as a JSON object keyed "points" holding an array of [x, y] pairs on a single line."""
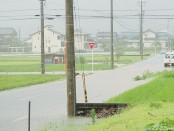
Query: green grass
{"points": [[15, 81], [159, 89], [149, 103], [32, 63], [134, 119]]}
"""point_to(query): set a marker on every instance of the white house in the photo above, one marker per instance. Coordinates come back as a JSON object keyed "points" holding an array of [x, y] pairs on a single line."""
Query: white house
{"points": [[149, 37], [81, 40], [53, 41]]}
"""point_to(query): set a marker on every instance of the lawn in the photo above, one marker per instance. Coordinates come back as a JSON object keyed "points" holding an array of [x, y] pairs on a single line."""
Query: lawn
{"points": [[9, 81]]}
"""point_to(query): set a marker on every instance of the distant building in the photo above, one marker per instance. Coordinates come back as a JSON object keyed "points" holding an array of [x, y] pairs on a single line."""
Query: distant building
{"points": [[128, 35], [54, 41], [104, 38], [81, 40], [149, 37]]}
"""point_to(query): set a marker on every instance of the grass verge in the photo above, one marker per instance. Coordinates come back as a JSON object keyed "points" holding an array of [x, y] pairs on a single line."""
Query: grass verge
{"points": [[11, 81], [151, 103]]}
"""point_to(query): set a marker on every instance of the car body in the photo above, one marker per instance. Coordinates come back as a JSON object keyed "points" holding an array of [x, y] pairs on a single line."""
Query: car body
{"points": [[163, 51], [169, 59]]}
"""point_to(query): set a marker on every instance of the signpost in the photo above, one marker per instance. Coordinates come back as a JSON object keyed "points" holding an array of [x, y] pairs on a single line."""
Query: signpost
{"points": [[91, 45]]}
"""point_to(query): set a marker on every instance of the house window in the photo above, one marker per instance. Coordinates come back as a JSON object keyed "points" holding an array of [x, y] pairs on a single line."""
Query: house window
{"points": [[58, 37], [62, 44]]}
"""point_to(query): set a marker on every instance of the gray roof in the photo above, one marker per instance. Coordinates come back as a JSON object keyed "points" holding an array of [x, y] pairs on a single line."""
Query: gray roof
{"points": [[7, 31], [106, 34]]}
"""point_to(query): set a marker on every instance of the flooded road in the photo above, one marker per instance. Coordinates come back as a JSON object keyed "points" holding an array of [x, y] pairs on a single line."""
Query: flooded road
{"points": [[48, 101]]}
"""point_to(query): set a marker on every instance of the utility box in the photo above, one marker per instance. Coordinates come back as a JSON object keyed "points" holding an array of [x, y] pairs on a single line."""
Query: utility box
{"points": [[54, 59]]}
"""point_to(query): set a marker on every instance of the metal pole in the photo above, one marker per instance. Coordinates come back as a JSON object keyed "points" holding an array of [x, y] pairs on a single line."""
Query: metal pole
{"points": [[112, 54], [42, 38], [29, 108], [141, 31], [70, 58], [92, 60]]}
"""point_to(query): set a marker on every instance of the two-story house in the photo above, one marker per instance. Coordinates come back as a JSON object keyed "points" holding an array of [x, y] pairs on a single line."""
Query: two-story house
{"points": [[53, 41], [149, 37], [81, 40]]}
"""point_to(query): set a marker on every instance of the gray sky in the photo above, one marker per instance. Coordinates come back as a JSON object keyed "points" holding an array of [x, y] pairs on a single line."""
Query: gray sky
{"points": [[10, 10]]}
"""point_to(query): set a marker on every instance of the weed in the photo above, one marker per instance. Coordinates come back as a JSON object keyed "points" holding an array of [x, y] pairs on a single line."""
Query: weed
{"points": [[93, 116], [155, 105], [164, 125], [146, 74]]}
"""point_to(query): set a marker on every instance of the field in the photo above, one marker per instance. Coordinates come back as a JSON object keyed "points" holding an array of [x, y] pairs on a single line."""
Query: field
{"points": [[32, 63]]}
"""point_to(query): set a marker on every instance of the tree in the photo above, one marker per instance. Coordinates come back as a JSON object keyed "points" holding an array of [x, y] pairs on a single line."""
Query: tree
{"points": [[12, 41]]}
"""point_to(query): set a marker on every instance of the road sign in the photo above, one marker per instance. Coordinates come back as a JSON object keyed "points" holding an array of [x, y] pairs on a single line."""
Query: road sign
{"points": [[91, 44]]}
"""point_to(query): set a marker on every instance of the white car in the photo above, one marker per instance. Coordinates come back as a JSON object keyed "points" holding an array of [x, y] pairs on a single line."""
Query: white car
{"points": [[169, 59]]}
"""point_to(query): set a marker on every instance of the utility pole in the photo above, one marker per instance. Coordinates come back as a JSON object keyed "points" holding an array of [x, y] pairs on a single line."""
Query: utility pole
{"points": [[112, 54], [141, 31], [70, 59], [42, 38]]}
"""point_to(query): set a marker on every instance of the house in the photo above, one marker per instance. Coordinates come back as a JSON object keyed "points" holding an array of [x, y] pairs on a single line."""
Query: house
{"points": [[104, 38], [129, 35], [149, 38], [53, 41], [81, 40]]}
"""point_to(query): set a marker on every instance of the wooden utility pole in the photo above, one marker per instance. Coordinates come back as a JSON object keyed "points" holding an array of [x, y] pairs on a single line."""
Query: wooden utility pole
{"points": [[42, 38], [112, 54], [141, 31], [70, 59]]}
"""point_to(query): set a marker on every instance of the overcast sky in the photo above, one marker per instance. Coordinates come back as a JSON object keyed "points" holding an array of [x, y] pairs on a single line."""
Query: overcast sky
{"points": [[20, 14]]}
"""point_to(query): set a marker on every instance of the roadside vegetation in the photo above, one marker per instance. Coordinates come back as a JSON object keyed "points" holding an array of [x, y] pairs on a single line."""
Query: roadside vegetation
{"points": [[151, 107], [147, 74], [10, 81]]}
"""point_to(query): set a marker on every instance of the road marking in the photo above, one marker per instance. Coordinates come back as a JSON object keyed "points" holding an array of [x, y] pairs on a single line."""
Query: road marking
{"points": [[20, 118]]}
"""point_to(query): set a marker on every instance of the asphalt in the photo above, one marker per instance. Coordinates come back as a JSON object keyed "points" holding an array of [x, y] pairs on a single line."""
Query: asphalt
{"points": [[49, 101]]}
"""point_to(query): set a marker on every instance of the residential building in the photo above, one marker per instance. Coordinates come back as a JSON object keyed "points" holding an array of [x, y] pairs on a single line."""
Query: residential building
{"points": [[53, 41], [104, 38], [149, 38], [81, 40]]}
